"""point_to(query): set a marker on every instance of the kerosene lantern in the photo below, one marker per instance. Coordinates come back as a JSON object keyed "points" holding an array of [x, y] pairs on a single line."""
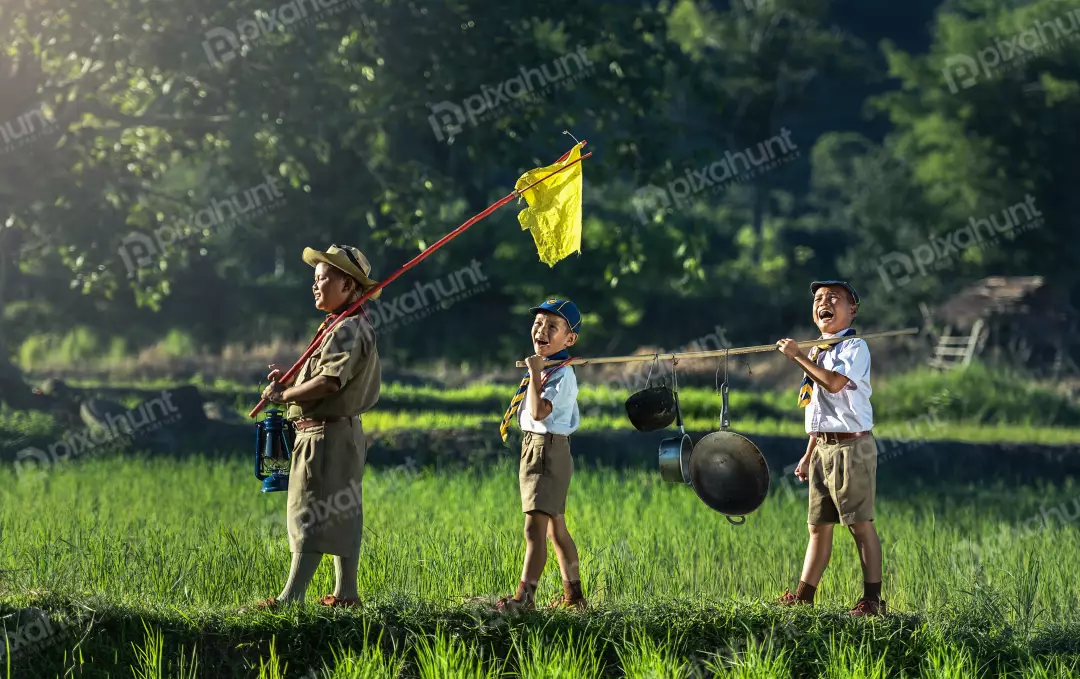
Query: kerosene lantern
{"points": [[273, 458]]}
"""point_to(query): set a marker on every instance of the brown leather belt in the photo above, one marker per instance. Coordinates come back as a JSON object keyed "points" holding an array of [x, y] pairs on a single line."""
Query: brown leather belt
{"points": [[838, 436], [548, 438], [303, 424]]}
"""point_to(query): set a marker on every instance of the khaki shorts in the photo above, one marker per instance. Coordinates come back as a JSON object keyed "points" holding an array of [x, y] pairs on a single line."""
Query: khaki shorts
{"points": [[544, 473], [843, 481]]}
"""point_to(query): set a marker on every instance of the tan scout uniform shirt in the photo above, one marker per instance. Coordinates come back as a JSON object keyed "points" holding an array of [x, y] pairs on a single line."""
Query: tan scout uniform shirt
{"points": [[325, 508], [350, 355]]}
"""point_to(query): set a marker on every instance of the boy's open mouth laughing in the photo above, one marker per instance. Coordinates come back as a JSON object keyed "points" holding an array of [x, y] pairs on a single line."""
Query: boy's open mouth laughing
{"points": [[826, 317]]}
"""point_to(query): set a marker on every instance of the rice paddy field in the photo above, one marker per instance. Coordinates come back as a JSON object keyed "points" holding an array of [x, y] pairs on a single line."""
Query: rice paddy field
{"points": [[978, 404], [138, 567], [127, 564]]}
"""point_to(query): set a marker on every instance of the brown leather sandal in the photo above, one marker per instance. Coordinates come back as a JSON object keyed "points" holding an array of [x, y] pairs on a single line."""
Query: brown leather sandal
{"points": [[337, 602], [868, 608], [569, 604], [509, 604], [268, 604], [790, 599]]}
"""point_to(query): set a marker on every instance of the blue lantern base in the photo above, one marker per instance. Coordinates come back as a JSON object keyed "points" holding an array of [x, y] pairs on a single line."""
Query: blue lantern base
{"points": [[275, 482]]}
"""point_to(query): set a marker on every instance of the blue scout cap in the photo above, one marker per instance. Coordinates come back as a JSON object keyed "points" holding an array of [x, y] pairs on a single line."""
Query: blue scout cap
{"points": [[562, 307], [844, 284]]}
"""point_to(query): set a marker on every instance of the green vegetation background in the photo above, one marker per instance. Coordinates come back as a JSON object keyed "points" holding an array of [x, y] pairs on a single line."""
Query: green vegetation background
{"points": [[148, 132]]}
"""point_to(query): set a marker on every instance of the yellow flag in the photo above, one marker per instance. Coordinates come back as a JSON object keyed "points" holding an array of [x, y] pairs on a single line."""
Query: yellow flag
{"points": [[554, 212]]}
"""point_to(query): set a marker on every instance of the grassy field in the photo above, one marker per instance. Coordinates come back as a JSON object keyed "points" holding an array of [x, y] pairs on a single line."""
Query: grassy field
{"points": [[121, 567], [140, 567]]}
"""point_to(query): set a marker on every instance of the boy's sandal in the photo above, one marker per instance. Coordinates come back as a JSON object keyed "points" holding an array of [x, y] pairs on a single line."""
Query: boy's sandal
{"points": [[268, 604], [790, 599], [338, 602], [509, 604], [867, 608], [569, 604]]}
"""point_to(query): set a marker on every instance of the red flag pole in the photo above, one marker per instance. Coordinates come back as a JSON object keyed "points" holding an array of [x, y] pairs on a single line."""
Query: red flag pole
{"points": [[288, 377]]}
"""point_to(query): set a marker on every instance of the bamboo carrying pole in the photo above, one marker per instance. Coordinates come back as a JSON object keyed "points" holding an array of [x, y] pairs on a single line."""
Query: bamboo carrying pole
{"points": [[288, 377], [723, 352]]}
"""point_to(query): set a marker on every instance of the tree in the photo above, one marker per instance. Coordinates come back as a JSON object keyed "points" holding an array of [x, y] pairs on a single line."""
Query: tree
{"points": [[971, 143], [386, 124]]}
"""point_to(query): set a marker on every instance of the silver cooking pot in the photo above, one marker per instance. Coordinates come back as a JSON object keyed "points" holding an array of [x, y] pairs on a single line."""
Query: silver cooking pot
{"points": [[675, 452]]}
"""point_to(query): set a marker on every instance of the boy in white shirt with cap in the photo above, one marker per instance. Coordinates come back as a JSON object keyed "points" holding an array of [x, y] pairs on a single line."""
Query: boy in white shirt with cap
{"points": [[546, 408], [841, 456]]}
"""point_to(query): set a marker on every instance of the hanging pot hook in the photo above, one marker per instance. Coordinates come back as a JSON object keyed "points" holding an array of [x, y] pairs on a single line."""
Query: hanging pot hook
{"points": [[675, 391], [724, 421], [648, 379]]}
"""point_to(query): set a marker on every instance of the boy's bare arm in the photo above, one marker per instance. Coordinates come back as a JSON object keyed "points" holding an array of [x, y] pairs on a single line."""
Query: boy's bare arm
{"points": [[538, 407], [830, 380], [802, 470]]}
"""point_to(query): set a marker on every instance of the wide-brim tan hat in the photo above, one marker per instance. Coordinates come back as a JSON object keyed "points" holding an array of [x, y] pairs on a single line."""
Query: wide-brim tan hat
{"points": [[346, 259]]}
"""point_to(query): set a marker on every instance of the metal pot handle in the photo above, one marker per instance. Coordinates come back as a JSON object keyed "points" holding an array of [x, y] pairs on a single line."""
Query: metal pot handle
{"points": [[741, 520], [678, 415], [724, 421], [675, 392]]}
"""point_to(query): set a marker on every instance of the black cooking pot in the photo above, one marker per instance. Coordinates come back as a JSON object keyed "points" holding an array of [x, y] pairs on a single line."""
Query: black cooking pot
{"points": [[651, 409], [728, 472]]}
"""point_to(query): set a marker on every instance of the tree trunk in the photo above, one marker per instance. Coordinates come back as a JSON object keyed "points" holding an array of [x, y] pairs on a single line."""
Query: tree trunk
{"points": [[13, 389], [761, 193]]}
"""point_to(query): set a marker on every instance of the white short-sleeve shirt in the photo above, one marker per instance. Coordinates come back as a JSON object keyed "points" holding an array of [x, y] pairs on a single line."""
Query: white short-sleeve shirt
{"points": [[848, 410], [561, 389]]}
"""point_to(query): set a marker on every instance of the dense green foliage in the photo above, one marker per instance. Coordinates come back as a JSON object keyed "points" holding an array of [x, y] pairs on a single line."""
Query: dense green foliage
{"points": [[142, 122], [182, 545]]}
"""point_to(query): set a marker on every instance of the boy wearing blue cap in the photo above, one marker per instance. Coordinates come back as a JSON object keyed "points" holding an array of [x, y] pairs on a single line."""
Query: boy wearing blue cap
{"points": [[841, 455], [549, 416]]}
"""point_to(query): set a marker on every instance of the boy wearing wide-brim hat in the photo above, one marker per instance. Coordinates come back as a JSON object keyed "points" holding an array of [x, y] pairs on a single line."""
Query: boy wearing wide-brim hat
{"points": [[338, 383], [546, 409], [841, 455]]}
